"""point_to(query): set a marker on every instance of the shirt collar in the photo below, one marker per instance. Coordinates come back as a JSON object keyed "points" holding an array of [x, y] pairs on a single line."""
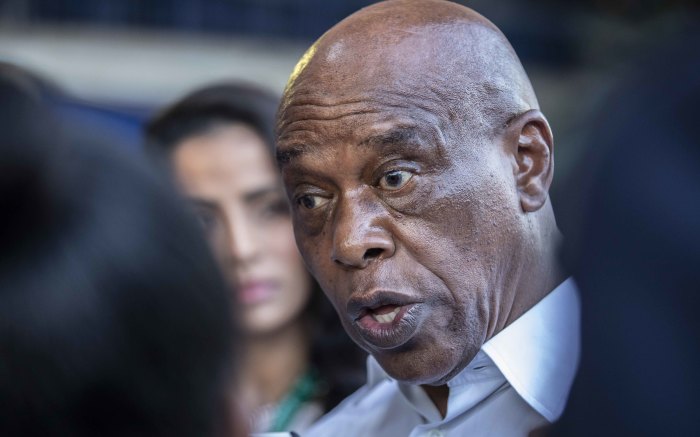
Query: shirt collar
{"points": [[375, 373], [538, 353]]}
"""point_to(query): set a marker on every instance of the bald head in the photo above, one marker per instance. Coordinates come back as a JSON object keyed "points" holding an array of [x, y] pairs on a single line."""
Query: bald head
{"points": [[427, 51]]}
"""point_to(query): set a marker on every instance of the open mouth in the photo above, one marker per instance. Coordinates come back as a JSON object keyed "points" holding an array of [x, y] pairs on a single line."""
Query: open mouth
{"points": [[385, 320], [385, 314]]}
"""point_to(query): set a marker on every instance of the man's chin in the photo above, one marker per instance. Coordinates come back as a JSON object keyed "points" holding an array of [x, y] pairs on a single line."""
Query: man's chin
{"points": [[418, 372], [426, 368]]}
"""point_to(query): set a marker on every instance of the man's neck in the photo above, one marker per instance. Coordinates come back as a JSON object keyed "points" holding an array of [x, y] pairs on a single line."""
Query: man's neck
{"points": [[540, 272], [439, 394]]}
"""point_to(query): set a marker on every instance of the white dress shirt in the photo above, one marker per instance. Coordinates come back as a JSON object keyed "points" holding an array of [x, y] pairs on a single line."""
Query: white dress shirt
{"points": [[519, 381]]}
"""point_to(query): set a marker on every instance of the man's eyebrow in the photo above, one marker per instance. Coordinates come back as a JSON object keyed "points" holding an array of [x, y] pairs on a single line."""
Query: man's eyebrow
{"points": [[290, 153], [392, 137]]}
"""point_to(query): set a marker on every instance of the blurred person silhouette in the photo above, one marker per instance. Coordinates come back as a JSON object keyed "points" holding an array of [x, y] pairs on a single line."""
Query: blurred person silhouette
{"points": [[218, 143], [114, 320], [636, 253], [97, 120]]}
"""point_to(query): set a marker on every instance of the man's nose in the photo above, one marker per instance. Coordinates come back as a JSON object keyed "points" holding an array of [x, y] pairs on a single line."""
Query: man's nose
{"points": [[360, 235]]}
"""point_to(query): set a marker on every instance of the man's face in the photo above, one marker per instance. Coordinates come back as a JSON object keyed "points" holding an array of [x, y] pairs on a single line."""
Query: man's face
{"points": [[408, 220]]}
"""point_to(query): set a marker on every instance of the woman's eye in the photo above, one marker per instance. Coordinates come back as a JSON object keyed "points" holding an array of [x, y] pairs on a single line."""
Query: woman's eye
{"points": [[276, 209], [207, 219], [395, 180], [309, 201]]}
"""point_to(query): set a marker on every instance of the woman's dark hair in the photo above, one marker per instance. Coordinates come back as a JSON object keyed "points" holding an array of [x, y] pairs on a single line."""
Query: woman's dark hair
{"points": [[338, 360], [208, 108], [114, 319]]}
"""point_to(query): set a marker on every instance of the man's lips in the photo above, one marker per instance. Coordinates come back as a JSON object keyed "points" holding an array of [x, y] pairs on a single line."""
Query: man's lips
{"points": [[385, 319], [361, 304]]}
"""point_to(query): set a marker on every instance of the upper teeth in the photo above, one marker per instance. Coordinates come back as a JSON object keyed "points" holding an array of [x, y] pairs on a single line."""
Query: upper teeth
{"points": [[386, 318]]}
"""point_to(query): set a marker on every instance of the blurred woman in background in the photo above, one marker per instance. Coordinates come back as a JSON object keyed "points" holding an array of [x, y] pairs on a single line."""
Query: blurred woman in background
{"points": [[218, 143]]}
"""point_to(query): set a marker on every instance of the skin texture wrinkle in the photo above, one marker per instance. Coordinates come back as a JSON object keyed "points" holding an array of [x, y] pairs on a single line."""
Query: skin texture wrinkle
{"points": [[417, 164]]}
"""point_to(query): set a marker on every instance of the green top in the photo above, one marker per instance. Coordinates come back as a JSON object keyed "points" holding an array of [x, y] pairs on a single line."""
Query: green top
{"points": [[303, 390]]}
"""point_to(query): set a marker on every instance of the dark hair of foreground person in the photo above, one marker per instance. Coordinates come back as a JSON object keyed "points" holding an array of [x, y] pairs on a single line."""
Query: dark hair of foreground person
{"points": [[114, 320]]}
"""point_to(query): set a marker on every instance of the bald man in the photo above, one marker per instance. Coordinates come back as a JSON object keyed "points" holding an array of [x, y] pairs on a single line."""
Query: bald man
{"points": [[418, 166]]}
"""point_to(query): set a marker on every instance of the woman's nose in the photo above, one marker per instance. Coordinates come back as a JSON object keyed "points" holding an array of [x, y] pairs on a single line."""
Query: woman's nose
{"points": [[242, 240]]}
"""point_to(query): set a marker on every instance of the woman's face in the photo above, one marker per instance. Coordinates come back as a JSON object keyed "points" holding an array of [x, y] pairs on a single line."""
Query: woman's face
{"points": [[229, 176]]}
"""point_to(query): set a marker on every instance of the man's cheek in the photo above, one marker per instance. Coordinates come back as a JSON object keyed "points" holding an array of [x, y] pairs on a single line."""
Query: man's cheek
{"points": [[322, 269], [310, 249], [445, 230]]}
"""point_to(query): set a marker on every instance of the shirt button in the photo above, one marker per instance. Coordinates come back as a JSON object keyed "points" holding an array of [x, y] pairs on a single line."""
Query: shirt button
{"points": [[435, 433]]}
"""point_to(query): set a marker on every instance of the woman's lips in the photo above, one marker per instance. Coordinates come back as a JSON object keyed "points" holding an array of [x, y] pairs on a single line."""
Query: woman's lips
{"points": [[255, 292]]}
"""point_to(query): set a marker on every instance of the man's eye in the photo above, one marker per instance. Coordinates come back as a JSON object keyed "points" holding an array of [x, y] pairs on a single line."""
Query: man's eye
{"points": [[309, 201], [395, 180]]}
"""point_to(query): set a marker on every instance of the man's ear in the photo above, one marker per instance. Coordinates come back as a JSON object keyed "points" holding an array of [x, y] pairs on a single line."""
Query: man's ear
{"points": [[532, 147]]}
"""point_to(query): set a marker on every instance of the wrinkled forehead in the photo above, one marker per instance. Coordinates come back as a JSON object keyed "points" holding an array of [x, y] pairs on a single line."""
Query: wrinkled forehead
{"points": [[332, 132]]}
